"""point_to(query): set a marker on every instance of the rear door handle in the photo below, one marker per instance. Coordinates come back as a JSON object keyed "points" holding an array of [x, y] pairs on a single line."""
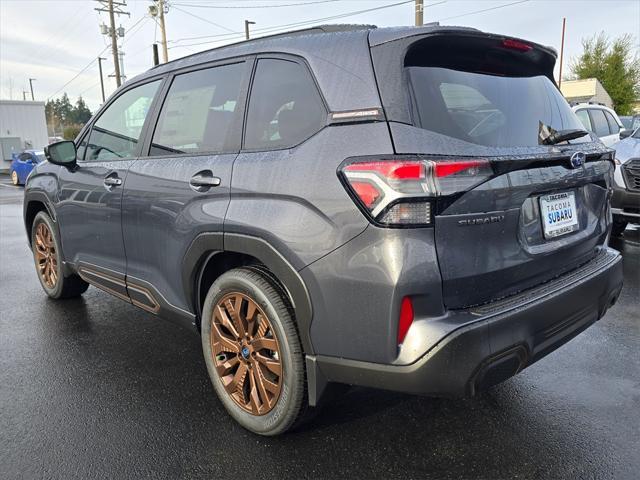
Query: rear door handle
{"points": [[112, 180], [204, 180]]}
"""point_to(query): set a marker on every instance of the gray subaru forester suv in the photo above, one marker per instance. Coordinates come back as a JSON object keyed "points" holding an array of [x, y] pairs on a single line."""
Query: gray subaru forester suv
{"points": [[412, 209]]}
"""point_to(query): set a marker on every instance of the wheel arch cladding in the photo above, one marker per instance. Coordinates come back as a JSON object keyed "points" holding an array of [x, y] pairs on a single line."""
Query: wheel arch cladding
{"points": [[208, 257], [31, 209]]}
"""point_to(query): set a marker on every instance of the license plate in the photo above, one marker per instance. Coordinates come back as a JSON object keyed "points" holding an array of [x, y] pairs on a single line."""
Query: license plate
{"points": [[559, 214]]}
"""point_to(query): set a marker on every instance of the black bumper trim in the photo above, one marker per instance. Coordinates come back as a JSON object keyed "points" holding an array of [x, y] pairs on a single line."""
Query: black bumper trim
{"points": [[457, 364]]}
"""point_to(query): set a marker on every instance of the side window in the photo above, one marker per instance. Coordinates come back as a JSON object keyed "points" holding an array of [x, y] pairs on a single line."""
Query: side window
{"points": [[583, 116], [599, 122], [199, 111], [285, 107], [613, 125], [24, 156], [117, 131]]}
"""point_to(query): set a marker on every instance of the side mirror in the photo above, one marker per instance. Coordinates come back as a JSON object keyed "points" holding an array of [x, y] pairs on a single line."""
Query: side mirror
{"points": [[61, 153], [625, 134]]}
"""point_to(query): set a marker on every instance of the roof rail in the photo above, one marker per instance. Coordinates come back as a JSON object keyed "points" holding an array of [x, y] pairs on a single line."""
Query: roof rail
{"points": [[330, 28]]}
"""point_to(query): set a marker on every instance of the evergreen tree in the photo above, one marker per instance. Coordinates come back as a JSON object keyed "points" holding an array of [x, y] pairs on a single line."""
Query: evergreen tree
{"points": [[614, 64], [81, 113]]}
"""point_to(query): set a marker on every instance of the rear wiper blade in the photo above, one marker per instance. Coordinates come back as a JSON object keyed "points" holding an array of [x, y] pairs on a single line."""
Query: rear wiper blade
{"points": [[562, 135]]}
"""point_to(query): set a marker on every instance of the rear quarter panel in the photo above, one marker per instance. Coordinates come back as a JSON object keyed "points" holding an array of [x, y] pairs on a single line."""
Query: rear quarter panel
{"points": [[293, 198]]}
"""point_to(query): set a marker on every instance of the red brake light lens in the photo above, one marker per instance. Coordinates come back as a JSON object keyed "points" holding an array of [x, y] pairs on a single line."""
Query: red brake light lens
{"points": [[399, 170], [444, 169], [516, 45], [367, 193], [406, 318]]}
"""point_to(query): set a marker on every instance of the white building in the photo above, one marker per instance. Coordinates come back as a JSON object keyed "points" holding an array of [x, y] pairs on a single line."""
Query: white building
{"points": [[22, 125], [584, 91]]}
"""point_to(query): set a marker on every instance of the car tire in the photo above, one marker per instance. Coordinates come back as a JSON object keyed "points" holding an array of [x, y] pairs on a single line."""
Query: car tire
{"points": [[47, 256], [237, 363], [14, 178], [618, 227]]}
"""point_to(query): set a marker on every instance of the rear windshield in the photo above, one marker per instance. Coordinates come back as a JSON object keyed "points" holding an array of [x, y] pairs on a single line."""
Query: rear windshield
{"points": [[486, 90], [487, 109]]}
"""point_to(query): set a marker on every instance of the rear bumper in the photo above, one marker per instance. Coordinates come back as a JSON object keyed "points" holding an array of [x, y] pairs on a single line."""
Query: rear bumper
{"points": [[625, 205], [491, 342]]}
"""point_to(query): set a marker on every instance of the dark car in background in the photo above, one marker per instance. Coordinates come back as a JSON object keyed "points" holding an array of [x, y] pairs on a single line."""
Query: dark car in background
{"points": [[413, 209]]}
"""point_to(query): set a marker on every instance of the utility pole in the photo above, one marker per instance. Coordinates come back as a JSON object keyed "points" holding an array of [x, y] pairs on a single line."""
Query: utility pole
{"points": [[246, 28], [100, 59], [419, 13], [114, 43], [31, 85], [113, 9], [163, 32], [158, 11], [564, 23]]}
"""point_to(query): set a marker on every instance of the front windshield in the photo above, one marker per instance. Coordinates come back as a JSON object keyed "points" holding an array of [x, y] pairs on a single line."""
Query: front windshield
{"points": [[488, 109]]}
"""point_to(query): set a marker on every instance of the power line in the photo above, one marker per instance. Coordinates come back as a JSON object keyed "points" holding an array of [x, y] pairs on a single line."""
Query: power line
{"points": [[481, 11], [203, 19], [131, 31], [297, 4], [297, 24], [79, 73], [309, 22]]}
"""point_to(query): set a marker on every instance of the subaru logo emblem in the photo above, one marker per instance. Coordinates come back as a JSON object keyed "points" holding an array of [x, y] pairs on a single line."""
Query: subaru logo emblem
{"points": [[245, 352], [578, 159]]}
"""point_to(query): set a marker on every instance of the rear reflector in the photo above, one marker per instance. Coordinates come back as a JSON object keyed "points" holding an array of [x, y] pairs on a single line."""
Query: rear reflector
{"points": [[406, 318]]}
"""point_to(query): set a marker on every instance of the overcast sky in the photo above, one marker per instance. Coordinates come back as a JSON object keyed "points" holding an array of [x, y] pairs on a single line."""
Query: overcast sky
{"points": [[53, 40]]}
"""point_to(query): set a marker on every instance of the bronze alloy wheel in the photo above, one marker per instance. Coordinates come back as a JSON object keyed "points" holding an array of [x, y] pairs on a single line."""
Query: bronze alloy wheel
{"points": [[46, 256], [246, 353]]}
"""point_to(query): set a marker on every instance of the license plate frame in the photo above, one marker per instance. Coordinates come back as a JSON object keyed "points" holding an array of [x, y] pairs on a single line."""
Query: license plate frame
{"points": [[558, 214]]}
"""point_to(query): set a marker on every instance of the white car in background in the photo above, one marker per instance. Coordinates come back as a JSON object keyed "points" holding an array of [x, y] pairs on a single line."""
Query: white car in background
{"points": [[602, 121], [625, 203]]}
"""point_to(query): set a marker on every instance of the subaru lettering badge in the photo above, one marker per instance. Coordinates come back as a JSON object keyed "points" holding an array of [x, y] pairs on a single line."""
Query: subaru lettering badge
{"points": [[578, 159]]}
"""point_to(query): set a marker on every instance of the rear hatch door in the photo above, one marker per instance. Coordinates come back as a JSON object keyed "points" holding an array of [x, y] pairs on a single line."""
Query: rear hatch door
{"points": [[543, 209]]}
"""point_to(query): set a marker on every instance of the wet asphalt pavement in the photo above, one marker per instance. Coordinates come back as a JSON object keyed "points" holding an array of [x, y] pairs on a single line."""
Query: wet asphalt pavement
{"points": [[96, 388]]}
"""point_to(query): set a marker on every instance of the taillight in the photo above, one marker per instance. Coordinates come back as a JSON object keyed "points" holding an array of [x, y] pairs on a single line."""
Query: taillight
{"points": [[403, 192]]}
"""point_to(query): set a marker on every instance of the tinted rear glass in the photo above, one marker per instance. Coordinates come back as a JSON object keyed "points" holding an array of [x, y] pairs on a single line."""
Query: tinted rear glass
{"points": [[486, 109], [285, 107]]}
